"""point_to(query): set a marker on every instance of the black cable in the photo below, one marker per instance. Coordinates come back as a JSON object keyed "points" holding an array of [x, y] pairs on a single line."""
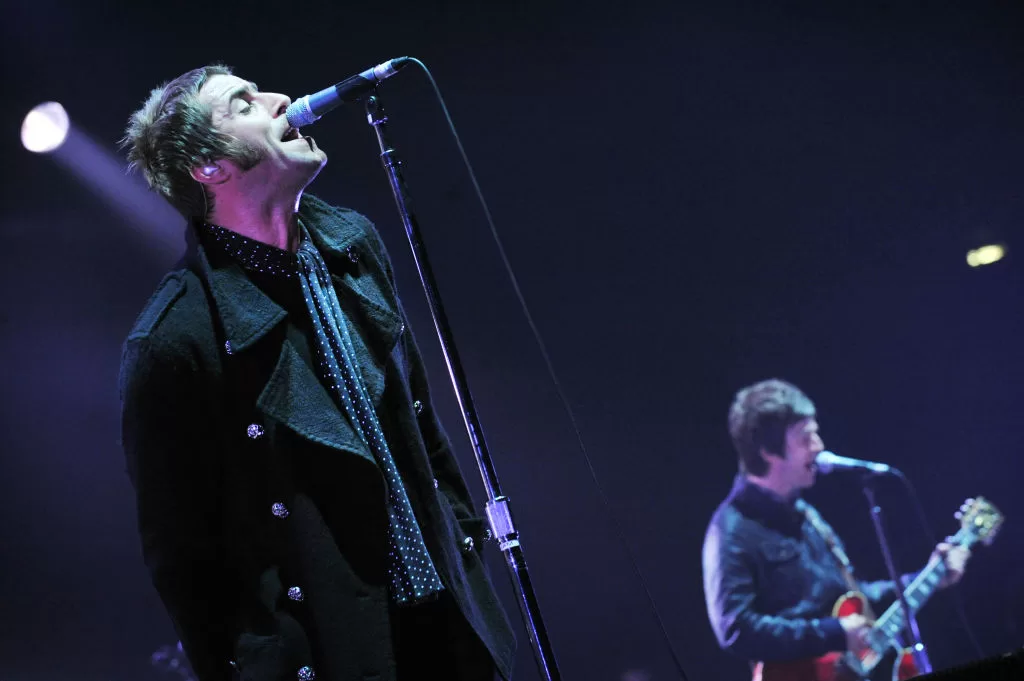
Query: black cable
{"points": [[922, 516], [551, 371]]}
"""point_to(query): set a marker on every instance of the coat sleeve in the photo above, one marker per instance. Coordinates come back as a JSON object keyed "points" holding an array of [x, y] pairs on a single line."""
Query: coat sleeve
{"points": [[171, 457], [731, 597]]}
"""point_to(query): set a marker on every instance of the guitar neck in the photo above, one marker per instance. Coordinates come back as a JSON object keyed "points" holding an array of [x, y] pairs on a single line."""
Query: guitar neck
{"points": [[916, 594]]}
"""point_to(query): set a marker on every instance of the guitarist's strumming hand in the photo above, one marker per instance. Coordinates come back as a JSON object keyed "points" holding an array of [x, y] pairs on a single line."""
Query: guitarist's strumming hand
{"points": [[857, 628], [956, 560]]}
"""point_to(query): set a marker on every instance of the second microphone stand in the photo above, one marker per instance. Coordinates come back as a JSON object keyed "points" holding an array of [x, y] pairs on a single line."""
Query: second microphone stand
{"points": [[499, 513], [917, 648]]}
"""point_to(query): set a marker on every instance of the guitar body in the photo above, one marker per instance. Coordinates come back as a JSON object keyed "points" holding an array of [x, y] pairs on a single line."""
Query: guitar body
{"points": [[831, 667], [856, 603], [852, 603], [979, 522], [824, 668], [905, 668]]}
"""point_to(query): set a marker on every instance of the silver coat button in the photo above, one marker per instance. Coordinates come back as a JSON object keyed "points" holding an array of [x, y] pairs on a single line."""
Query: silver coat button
{"points": [[306, 673], [352, 253], [417, 406], [436, 484], [254, 431], [468, 544], [295, 593], [279, 510]]}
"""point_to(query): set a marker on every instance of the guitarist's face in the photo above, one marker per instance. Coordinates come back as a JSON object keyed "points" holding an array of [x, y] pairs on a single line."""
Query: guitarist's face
{"points": [[796, 471]]}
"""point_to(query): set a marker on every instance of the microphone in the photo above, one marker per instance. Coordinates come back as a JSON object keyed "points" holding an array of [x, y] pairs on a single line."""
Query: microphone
{"points": [[829, 462], [310, 108]]}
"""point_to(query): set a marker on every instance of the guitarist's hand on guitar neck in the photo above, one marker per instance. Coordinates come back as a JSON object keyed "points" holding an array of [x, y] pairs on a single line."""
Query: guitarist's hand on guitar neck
{"points": [[868, 641], [955, 557], [857, 628]]}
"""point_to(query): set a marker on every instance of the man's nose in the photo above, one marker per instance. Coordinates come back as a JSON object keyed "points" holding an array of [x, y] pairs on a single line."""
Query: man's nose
{"points": [[278, 103]]}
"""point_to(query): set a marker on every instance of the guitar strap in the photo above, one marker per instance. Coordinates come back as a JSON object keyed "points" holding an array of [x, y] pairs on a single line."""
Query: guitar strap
{"points": [[827, 534]]}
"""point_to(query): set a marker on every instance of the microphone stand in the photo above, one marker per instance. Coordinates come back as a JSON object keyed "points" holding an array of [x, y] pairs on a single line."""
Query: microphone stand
{"points": [[917, 649], [499, 513]]}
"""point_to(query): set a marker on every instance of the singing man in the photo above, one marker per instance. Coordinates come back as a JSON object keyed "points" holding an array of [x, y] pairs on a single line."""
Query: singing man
{"points": [[300, 509]]}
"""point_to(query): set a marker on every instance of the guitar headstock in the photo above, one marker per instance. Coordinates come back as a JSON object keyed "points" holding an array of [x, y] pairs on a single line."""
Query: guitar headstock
{"points": [[979, 521]]}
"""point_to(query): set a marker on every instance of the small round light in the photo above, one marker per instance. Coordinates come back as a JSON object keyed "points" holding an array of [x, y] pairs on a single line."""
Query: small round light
{"points": [[45, 127], [985, 255]]}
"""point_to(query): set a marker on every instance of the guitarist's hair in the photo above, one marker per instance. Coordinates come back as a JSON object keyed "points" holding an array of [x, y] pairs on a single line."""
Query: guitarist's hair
{"points": [[759, 417]]}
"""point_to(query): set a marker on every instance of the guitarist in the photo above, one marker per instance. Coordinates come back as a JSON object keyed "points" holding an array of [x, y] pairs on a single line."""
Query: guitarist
{"points": [[772, 567]]}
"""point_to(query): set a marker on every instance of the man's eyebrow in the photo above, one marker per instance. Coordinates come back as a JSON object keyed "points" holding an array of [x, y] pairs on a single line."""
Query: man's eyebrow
{"points": [[247, 89]]}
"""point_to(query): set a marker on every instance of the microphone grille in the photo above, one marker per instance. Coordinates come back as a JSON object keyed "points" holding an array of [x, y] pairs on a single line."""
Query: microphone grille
{"points": [[299, 113], [825, 461]]}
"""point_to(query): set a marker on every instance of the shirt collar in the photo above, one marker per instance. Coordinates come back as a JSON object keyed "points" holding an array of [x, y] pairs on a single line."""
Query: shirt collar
{"points": [[244, 310], [758, 502], [255, 257]]}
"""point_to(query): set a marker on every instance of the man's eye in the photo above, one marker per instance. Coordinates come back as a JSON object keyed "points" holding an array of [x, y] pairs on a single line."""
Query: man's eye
{"points": [[246, 109]]}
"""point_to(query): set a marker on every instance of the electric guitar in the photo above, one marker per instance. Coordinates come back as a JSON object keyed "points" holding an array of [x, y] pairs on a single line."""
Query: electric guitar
{"points": [[979, 522]]}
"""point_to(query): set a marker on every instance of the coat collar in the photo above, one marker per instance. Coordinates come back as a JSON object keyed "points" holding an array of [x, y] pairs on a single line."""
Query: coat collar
{"points": [[293, 394], [246, 313], [765, 506]]}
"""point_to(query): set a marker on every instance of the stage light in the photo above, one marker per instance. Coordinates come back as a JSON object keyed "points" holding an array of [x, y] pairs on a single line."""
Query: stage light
{"points": [[985, 255], [45, 127]]}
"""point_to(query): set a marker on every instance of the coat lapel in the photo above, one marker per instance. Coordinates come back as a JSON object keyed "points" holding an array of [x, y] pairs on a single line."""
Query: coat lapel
{"points": [[293, 395], [246, 314], [375, 331], [360, 280]]}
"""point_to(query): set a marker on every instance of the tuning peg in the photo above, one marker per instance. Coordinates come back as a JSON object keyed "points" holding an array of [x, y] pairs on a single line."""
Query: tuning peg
{"points": [[958, 515]]}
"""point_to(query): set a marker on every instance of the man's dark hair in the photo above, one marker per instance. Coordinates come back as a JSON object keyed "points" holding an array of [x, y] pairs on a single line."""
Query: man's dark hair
{"points": [[759, 417], [172, 134]]}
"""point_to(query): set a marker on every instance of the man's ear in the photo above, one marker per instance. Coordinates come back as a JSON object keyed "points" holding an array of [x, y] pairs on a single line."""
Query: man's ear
{"points": [[768, 456], [209, 173]]}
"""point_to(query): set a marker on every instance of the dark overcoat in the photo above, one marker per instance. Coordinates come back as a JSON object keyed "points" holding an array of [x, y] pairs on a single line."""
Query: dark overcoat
{"points": [[261, 512]]}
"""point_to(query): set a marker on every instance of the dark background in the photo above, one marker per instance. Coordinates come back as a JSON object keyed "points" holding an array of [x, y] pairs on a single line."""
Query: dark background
{"points": [[694, 196]]}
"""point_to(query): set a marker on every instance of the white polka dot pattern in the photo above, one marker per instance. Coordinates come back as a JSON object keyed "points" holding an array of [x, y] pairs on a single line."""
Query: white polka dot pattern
{"points": [[412, 572]]}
